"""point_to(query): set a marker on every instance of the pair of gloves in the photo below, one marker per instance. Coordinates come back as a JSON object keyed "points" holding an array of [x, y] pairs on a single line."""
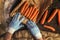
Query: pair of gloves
{"points": [[16, 24], [17, 20]]}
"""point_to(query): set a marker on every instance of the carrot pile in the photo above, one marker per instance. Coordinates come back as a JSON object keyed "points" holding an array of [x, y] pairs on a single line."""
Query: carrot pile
{"points": [[30, 12], [56, 11]]}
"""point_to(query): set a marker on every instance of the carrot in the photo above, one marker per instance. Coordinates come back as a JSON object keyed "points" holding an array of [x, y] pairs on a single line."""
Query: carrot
{"points": [[35, 18], [35, 12], [59, 17], [23, 8], [32, 11], [44, 17], [29, 12], [49, 27], [26, 12], [52, 15]]}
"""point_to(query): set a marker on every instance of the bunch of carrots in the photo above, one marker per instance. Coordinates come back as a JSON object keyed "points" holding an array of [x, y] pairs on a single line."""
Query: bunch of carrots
{"points": [[29, 11], [56, 11]]}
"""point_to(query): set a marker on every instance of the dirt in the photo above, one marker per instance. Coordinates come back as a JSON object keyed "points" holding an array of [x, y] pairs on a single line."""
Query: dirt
{"points": [[24, 34]]}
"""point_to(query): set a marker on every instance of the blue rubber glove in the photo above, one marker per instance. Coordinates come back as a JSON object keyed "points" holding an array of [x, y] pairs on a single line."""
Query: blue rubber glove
{"points": [[34, 29], [15, 24]]}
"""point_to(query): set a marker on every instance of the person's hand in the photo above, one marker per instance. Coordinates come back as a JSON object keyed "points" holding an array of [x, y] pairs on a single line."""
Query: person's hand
{"points": [[9, 35], [34, 30], [14, 25], [16, 22]]}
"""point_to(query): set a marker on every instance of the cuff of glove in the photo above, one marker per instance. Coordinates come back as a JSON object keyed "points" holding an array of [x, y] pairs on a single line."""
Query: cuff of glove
{"points": [[38, 35], [11, 30]]}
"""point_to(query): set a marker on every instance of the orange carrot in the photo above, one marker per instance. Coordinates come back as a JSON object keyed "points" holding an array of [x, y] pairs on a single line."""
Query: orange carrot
{"points": [[26, 8], [35, 12], [44, 17], [35, 18], [49, 27], [52, 15], [23, 8], [29, 12], [32, 11], [59, 17], [25, 14]]}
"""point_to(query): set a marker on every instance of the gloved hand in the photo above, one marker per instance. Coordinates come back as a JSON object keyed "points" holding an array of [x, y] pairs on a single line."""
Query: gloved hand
{"points": [[15, 24], [34, 29], [10, 32]]}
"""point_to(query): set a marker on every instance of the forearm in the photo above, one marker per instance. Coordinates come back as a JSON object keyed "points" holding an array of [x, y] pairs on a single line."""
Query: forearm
{"points": [[8, 36], [14, 25]]}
